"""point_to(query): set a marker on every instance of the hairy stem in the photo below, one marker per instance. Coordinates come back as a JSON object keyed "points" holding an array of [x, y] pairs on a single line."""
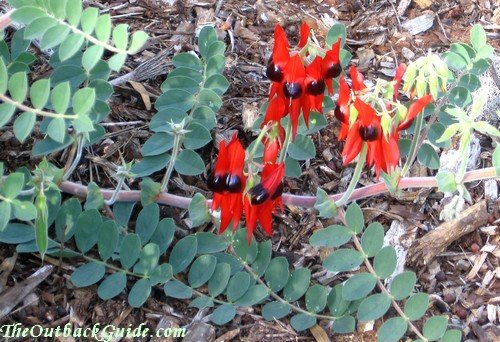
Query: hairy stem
{"points": [[171, 162], [119, 186], [413, 148], [76, 160], [355, 177], [274, 294], [288, 199], [25, 108]]}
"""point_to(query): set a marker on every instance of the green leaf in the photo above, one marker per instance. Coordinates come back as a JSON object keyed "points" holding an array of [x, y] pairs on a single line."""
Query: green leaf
{"points": [[216, 48], [202, 270], [103, 28], [302, 321], [149, 165], [137, 41], [176, 289], [38, 27], [302, 148], [297, 285], [403, 284], [277, 274], [112, 285], [209, 243], [189, 163], [95, 199], [358, 286], [275, 310], [247, 252], [336, 31], [57, 129], [83, 101], [354, 218], [39, 93], [88, 274], [74, 10], [292, 168], [206, 37], [26, 14], [178, 99], [197, 137], [223, 314], [188, 60], [24, 125], [455, 61], [158, 143], [436, 131], [486, 128], [218, 83], [342, 260], [183, 253], [92, 56], [486, 52], [324, 204], [161, 274], [336, 302], [446, 181], [392, 330], [428, 157], [460, 97], [60, 97], [452, 336], [4, 77], [6, 112], [385, 262], [219, 280], [372, 239], [215, 65], [263, 258], [107, 239], [344, 325], [148, 259], [54, 36], [185, 72], [18, 87], [416, 306], [116, 62], [5, 212], [130, 249], [237, 286], [477, 37], [198, 210], [373, 307], [139, 293], [16, 233], [66, 219], [182, 83], [202, 302], [254, 295], [496, 159], [86, 229], [149, 191], [435, 327], [316, 298], [331, 236], [147, 221], [209, 98], [120, 36], [70, 46], [24, 211], [13, 185], [470, 82]]}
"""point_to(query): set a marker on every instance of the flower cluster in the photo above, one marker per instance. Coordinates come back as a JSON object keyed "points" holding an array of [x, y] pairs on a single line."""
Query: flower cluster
{"points": [[299, 84], [366, 118], [236, 194]]}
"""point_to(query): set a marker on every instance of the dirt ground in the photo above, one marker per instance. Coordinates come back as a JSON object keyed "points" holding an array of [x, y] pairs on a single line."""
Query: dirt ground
{"points": [[463, 281]]}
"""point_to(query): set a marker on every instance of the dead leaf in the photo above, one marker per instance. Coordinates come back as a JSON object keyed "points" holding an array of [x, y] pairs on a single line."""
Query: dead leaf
{"points": [[138, 87]]}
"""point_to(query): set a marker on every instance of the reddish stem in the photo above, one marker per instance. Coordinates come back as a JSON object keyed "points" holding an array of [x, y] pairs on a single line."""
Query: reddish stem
{"points": [[288, 199], [5, 19]]}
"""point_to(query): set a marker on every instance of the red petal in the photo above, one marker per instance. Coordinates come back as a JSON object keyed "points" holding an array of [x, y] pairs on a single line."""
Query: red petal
{"points": [[272, 177], [265, 213], [250, 217], [400, 71], [353, 144], [357, 79], [294, 116], [366, 114], [313, 70], [295, 71], [305, 30], [415, 108], [276, 110], [271, 151], [281, 46]]}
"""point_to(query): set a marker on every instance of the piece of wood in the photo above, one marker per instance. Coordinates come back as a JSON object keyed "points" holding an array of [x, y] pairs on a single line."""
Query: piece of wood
{"points": [[425, 249]]}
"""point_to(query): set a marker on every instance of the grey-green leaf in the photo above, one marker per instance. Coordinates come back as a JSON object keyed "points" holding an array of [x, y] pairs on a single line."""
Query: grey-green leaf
{"points": [[88, 274]]}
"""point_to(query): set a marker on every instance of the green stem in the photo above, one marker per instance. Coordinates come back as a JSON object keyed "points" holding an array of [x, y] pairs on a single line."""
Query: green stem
{"points": [[464, 155], [201, 294], [171, 162], [286, 143], [413, 148], [257, 141], [119, 186], [355, 177], [24, 108], [76, 160]]}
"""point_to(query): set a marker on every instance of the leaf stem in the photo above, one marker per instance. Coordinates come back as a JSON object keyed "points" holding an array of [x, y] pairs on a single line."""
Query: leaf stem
{"points": [[201, 294], [286, 143], [119, 186], [25, 108], [171, 162], [413, 148], [355, 177], [76, 160]]}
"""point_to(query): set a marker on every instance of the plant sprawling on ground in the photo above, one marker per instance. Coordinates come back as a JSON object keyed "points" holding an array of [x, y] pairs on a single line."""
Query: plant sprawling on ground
{"points": [[227, 268]]}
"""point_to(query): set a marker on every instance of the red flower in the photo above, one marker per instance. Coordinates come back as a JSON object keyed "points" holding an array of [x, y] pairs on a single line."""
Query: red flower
{"points": [[383, 151], [400, 72], [330, 65], [228, 182], [415, 108], [262, 199]]}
